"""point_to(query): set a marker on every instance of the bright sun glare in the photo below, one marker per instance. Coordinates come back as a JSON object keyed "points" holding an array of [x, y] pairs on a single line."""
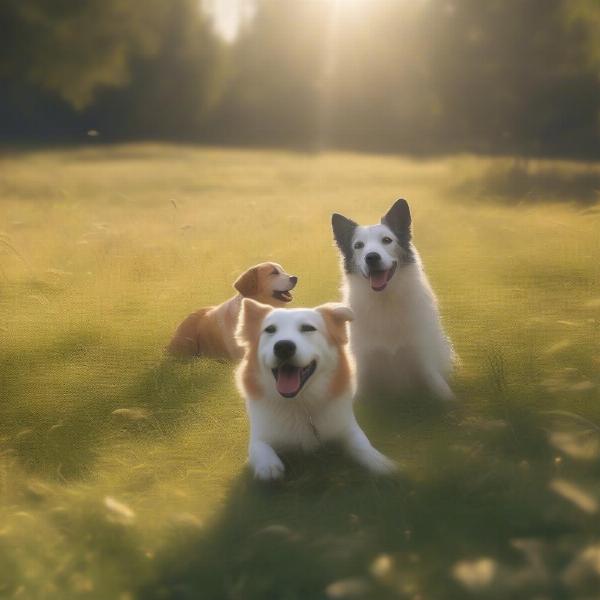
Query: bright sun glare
{"points": [[230, 15]]}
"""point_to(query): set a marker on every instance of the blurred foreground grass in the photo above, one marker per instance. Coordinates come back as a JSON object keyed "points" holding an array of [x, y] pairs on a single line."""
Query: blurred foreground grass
{"points": [[122, 473]]}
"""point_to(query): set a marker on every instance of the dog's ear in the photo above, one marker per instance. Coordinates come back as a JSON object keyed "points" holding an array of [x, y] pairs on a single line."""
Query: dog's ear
{"points": [[247, 283], [398, 220], [252, 314], [336, 316], [343, 231]]}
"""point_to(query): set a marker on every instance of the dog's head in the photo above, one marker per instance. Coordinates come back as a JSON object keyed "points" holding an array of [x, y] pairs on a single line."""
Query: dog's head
{"points": [[376, 251], [267, 283], [291, 349]]}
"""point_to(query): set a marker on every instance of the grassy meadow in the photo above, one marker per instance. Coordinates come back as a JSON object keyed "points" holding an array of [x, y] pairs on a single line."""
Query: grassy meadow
{"points": [[122, 473]]}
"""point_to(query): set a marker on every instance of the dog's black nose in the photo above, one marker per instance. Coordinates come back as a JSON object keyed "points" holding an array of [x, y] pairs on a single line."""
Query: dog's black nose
{"points": [[284, 349], [372, 258], [293, 280]]}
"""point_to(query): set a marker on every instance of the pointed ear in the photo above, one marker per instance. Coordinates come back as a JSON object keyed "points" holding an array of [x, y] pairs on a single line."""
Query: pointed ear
{"points": [[336, 316], [252, 314], [343, 232], [247, 283], [398, 220]]}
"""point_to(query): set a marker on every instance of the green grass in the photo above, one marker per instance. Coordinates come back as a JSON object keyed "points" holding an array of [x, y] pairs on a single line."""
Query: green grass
{"points": [[103, 250]]}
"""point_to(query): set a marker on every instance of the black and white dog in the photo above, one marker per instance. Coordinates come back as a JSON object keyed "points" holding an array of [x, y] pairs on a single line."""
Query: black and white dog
{"points": [[396, 336]]}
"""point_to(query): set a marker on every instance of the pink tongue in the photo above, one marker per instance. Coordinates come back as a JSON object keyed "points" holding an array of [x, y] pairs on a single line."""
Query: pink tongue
{"points": [[288, 380], [378, 279]]}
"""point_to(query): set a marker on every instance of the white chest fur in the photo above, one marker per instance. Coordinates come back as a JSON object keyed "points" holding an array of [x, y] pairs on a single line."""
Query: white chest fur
{"points": [[397, 336]]}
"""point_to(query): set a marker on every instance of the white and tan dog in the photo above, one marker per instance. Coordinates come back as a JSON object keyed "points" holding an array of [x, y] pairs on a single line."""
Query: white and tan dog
{"points": [[211, 331], [397, 336], [298, 383]]}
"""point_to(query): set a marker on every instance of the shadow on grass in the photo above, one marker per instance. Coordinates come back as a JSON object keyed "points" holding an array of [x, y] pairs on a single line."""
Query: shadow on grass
{"points": [[331, 531], [470, 519], [523, 181], [59, 433]]}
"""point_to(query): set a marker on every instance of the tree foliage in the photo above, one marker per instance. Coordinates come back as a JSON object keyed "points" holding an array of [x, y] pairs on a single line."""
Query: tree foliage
{"points": [[74, 48], [425, 76]]}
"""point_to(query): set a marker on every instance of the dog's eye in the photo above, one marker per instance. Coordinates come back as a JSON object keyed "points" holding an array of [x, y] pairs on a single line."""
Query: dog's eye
{"points": [[387, 240], [275, 272], [359, 245], [307, 328], [270, 329]]}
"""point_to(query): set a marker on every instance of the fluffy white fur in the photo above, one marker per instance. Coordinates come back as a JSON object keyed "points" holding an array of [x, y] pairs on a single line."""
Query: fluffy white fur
{"points": [[396, 336], [313, 415]]}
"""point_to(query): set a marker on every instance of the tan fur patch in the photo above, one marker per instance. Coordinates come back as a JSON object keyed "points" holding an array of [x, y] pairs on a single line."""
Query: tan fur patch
{"points": [[184, 342], [250, 375], [264, 286], [211, 341], [340, 382], [255, 283], [247, 283], [210, 331], [249, 327], [336, 316]]}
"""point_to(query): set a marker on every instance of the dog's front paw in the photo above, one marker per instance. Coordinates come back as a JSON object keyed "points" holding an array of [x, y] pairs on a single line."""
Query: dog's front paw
{"points": [[447, 396], [269, 470], [379, 463]]}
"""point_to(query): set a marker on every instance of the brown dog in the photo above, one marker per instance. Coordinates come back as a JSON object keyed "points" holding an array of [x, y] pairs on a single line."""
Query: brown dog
{"points": [[211, 331]]}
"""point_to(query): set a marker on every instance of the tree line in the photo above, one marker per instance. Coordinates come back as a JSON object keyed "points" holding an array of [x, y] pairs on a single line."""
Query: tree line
{"points": [[419, 76]]}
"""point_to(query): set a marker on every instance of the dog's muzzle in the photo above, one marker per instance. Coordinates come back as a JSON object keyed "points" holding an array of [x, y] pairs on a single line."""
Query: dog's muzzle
{"points": [[379, 278], [285, 295], [290, 379]]}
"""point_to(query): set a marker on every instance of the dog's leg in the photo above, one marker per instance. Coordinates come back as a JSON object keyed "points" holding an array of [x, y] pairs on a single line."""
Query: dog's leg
{"points": [[367, 377], [264, 461], [438, 385], [360, 448]]}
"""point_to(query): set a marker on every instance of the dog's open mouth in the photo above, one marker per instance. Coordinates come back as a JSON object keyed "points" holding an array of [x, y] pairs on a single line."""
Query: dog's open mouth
{"points": [[282, 296], [290, 379], [380, 279]]}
